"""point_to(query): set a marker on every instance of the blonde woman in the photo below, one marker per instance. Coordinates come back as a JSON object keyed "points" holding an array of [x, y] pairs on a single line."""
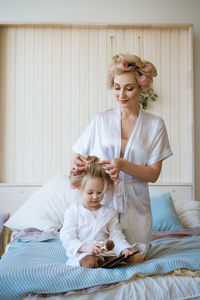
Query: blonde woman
{"points": [[131, 144]]}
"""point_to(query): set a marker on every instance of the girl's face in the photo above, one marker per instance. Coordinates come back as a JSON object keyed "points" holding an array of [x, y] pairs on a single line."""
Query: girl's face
{"points": [[126, 90], [93, 193]]}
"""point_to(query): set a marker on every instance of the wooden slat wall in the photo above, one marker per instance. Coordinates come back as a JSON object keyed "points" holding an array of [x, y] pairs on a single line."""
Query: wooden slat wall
{"points": [[53, 80]]}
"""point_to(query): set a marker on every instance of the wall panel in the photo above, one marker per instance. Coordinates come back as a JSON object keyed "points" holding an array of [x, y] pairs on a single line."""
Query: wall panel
{"points": [[53, 80]]}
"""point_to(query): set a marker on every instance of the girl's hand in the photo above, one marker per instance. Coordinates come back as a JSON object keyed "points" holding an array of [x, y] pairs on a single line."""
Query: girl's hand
{"points": [[93, 248], [78, 164], [112, 167], [126, 252], [137, 258]]}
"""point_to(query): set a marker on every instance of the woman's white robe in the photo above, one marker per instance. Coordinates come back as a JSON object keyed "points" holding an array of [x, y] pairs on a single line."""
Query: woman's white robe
{"points": [[84, 226], [147, 145]]}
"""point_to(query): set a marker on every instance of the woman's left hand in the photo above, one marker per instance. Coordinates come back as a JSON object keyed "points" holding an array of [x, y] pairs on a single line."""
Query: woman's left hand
{"points": [[112, 167]]}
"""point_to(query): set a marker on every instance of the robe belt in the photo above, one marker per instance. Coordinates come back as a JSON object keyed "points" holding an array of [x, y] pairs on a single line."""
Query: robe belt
{"points": [[120, 201]]}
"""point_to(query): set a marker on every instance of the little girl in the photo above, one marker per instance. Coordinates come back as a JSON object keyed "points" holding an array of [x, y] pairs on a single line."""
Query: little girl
{"points": [[87, 226]]}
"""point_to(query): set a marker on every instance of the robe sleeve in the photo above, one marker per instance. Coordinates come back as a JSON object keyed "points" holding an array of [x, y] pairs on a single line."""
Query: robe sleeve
{"points": [[160, 148], [115, 234], [68, 233], [84, 142]]}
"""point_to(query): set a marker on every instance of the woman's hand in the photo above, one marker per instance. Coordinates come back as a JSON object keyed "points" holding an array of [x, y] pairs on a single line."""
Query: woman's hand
{"points": [[93, 248], [78, 163], [112, 167]]}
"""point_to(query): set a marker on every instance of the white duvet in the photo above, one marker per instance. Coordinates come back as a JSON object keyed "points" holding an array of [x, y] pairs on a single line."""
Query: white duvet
{"points": [[148, 288]]}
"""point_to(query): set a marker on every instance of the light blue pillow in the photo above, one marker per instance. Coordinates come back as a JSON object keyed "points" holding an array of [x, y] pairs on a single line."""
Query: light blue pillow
{"points": [[164, 215]]}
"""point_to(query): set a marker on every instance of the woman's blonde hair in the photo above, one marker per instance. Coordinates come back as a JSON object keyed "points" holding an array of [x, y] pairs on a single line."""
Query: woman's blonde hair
{"points": [[93, 169], [143, 70]]}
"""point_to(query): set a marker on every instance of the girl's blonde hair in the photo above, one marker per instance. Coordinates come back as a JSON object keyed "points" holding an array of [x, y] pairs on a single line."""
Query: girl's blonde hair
{"points": [[93, 169], [143, 70]]}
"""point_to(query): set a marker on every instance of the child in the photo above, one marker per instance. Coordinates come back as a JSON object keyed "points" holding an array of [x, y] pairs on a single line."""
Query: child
{"points": [[87, 226]]}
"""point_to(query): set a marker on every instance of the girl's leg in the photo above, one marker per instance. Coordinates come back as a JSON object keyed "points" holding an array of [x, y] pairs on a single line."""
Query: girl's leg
{"points": [[89, 261], [136, 259], [109, 258], [105, 259]]}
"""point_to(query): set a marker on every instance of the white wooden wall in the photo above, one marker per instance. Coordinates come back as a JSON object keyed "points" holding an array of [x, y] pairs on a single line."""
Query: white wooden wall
{"points": [[53, 79]]}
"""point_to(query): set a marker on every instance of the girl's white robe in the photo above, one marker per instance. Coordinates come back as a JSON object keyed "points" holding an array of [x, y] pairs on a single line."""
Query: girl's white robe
{"points": [[147, 145], [84, 226]]}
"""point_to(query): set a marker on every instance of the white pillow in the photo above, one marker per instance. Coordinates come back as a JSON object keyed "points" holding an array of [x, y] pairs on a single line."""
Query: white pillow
{"points": [[44, 210], [188, 212]]}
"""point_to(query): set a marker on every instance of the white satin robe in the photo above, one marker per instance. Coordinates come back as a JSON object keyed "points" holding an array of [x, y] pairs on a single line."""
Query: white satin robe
{"points": [[147, 145], [84, 226]]}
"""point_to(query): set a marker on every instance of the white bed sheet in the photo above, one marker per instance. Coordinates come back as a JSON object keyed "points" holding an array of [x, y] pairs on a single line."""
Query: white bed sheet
{"points": [[147, 288]]}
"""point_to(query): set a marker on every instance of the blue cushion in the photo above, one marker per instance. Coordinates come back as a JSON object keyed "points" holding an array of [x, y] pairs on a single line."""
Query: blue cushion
{"points": [[164, 215]]}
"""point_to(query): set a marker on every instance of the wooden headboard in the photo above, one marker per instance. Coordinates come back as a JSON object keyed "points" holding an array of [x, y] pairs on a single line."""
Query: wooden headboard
{"points": [[13, 196], [53, 80]]}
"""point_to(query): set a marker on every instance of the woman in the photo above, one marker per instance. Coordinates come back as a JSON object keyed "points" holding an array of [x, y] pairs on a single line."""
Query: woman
{"points": [[131, 144]]}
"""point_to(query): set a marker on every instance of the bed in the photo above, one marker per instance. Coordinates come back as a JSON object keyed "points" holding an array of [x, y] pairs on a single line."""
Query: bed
{"points": [[33, 266]]}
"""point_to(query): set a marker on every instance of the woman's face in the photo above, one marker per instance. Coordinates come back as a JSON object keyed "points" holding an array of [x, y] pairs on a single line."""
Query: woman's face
{"points": [[126, 90]]}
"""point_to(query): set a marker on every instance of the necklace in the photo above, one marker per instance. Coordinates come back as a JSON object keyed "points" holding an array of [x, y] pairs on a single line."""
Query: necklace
{"points": [[127, 125], [126, 130], [126, 118], [133, 118]]}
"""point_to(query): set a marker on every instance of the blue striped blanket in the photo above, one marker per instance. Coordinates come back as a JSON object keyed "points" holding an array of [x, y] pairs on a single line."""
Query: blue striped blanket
{"points": [[38, 266]]}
